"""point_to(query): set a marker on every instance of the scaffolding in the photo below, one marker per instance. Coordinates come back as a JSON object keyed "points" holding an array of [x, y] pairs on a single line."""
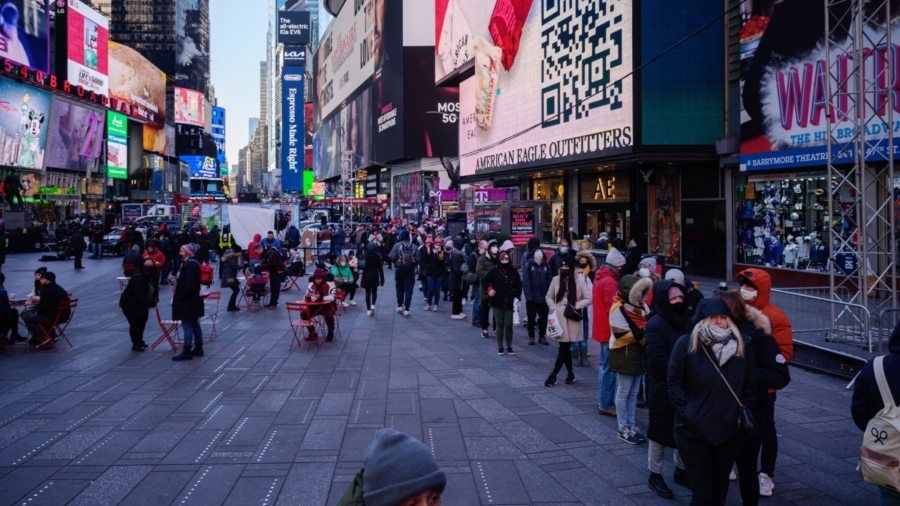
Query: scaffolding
{"points": [[861, 98]]}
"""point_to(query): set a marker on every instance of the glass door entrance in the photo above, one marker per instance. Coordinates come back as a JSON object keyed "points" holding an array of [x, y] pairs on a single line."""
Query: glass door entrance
{"points": [[614, 221]]}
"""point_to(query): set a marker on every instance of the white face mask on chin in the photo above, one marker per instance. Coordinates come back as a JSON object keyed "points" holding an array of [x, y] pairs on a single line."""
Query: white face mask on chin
{"points": [[748, 295], [645, 273]]}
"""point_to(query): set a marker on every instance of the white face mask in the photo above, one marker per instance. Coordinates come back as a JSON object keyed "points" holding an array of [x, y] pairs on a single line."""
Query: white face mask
{"points": [[493, 250], [644, 272], [748, 294], [343, 264], [504, 262]]}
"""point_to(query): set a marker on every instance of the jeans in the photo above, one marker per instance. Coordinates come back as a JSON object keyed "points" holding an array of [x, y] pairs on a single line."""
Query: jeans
{"points": [[274, 288], [606, 394], [504, 319], [192, 332], [769, 436], [656, 453], [585, 329], [137, 322], [96, 249], [212, 255], [433, 293], [626, 399], [371, 296], [338, 250], [564, 356], [537, 317], [476, 306], [708, 467], [889, 497], [79, 253], [405, 283]]}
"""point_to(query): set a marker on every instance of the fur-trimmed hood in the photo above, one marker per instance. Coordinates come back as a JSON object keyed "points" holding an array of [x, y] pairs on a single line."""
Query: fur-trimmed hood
{"points": [[592, 262], [758, 319], [639, 291]]}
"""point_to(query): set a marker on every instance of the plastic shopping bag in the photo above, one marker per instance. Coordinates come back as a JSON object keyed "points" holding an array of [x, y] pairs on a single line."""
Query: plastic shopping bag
{"points": [[554, 326], [516, 319]]}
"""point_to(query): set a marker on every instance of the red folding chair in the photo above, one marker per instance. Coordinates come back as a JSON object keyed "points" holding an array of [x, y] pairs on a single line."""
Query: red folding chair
{"points": [[59, 326], [339, 297], [169, 327], [250, 297], [291, 282], [301, 317], [214, 297]]}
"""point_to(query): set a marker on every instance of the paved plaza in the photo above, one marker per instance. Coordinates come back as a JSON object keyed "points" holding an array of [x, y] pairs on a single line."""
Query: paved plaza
{"points": [[254, 423]]}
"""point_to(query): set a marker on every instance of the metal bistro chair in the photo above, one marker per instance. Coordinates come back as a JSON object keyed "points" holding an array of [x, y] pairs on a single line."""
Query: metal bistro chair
{"points": [[212, 317], [249, 295], [301, 317], [59, 326], [169, 328]]}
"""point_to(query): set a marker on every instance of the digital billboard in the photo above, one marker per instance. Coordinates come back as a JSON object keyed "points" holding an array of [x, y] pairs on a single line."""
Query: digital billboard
{"points": [[326, 149], [24, 120], [189, 107], [24, 38], [784, 94], [532, 72], [431, 116], [293, 27], [192, 45], [76, 136], [116, 145], [86, 35], [293, 56], [292, 130], [137, 88], [201, 166]]}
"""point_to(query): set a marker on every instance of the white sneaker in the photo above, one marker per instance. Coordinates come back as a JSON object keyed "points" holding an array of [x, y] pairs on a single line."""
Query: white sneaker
{"points": [[427, 308], [765, 485], [733, 475], [345, 304], [399, 309], [434, 308], [458, 316], [369, 312], [405, 313], [372, 310], [352, 302]]}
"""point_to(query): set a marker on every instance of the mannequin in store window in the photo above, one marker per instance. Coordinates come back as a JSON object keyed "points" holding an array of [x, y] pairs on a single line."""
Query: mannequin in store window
{"points": [[791, 251]]}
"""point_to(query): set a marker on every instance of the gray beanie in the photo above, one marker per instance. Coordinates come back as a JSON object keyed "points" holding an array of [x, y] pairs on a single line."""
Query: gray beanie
{"points": [[615, 258], [397, 467]]}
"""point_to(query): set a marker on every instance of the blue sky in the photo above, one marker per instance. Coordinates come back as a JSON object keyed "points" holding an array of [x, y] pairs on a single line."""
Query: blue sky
{"points": [[237, 45]]}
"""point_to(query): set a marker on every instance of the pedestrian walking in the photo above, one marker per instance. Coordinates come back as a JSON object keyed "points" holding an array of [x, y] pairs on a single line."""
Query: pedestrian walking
{"points": [[627, 357], [403, 255], [535, 285], [756, 287], [770, 373], [660, 335], [433, 260], [472, 261], [485, 263], [503, 285], [585, 266], [138, 297], [187, 305], [709, 379], [231, 265], [372, 276], [603, 293], [558, 258], [78, 246], [455, 279], [568, 293], [274, 265]]}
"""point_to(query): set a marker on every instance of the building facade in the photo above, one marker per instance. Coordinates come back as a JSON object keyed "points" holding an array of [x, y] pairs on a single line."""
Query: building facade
{"points": [[218, 133]]}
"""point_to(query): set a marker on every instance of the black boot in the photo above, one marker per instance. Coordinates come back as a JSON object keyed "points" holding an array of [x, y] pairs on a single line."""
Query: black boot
{"points": [[658, 485], [137, 347], [198, 350], [329, 337], [542, 340], [680, 477], [185, 355], [530, 340], [570, 378], [551, 381]]}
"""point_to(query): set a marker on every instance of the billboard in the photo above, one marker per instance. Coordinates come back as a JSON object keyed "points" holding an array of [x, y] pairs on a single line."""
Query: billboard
{"points": [[192, 45], [293, 56], [86, 35], [308, 135], [116, 145], [783, 80], [527, 50], [24, 120], [76, 136], [356, 127], [24, 38], [327, 149], [293, 27], [431, 127], [292, 130], [201, 166], [137, 88], [189, 107]]}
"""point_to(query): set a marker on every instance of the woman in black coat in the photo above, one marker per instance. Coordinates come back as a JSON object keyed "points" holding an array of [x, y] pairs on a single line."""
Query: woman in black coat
{"points": [[187, 305], [503, 285], [231, 265], [706, 411], [372, 276], [770, 372], [136, 300], [660, 335]]}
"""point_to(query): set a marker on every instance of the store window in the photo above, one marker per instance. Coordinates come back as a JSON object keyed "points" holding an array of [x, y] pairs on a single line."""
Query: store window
{"points": [[550, 191], [782, 220]]}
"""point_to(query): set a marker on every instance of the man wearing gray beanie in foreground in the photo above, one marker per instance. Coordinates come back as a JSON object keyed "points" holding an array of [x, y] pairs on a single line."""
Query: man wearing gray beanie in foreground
{"points": [[398, 470]]}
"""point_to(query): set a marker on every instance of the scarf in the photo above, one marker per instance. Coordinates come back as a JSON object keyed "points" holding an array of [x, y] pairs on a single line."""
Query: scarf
{"points": [[721, 341]]}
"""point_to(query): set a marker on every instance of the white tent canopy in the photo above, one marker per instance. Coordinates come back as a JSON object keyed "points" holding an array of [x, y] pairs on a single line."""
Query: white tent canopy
{"points": [[248, 221]]}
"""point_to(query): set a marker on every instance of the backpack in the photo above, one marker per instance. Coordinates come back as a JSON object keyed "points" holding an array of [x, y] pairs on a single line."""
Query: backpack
{"points": [[407, 259], [879, 456]]}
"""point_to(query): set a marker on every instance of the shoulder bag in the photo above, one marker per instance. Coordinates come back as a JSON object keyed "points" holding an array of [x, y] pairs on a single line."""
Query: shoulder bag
{"points": [[745, 420]]}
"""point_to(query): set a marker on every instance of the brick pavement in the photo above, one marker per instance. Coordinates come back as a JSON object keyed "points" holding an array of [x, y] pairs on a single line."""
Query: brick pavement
{"points": [[252, 423]]}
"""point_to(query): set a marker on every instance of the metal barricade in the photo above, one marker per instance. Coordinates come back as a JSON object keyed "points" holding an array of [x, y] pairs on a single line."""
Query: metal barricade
{"points": [[885, 321], [836, 325]]}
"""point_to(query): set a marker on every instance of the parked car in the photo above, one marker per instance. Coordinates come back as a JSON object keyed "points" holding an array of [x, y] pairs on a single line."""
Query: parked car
{"points": [[113, 243]]}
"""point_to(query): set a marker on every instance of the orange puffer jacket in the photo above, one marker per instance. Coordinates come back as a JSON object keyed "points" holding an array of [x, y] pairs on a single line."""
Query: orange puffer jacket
{"points": [[781, 324]]}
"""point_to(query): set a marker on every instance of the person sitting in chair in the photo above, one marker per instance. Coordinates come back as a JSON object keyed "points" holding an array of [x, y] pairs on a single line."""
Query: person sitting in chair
{"points": [[48, 309]]}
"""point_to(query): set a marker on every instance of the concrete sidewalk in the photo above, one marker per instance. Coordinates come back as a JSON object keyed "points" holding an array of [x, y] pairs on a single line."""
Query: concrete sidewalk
{"points": [[253, 423]]}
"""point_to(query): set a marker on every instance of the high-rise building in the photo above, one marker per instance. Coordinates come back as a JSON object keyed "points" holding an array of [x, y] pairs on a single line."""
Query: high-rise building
{"points": [[253, 123], [218, 133], [263, 90]]}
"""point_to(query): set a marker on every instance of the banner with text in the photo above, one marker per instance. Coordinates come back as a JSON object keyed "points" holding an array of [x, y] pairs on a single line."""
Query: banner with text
{"points": [[292, 129]]}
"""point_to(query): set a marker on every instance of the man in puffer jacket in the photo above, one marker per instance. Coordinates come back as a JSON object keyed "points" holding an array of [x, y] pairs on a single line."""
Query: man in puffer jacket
{"points": [[535, 283], [606, 284]]}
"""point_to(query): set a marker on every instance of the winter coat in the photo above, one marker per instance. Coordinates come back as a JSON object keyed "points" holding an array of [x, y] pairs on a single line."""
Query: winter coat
{"points": [[632, 259], [606, 284], [373, 274], [293, 235], [626, 346], [390, 239], [78, 241], [51, 296], [434, 262], [202, 254], [556, 262], [134, 260], [692, 297], [342, 272], [353, 496], [484, 264], [251, 248], [572, 331], [531, 246], [187, 305], [660, 335], [781, 324], [770, 369], [866, 397], [158, 257], [138, 296], [704, 407], [506, 285], [535, 281], [592, 265], [457, 260], [230, 265], [272, 261]]}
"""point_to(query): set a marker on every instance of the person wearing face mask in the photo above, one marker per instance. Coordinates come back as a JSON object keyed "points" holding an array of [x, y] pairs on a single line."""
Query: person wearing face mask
{"points": [[603, 293], [568, 289], [344, 280], [647, 270], [455, 280], [403, 255], [535, 284], [433, 261], [756, 287], [187, 305], [706, 366], [485, 263], [661, 333], [503, 285], [627, 320], [559, 257], [585, 266], [531, 246], [472, 261], [136, 300], [692, 296]]}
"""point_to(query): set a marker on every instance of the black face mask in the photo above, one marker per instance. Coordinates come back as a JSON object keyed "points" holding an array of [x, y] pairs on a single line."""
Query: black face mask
{"points": [[678, 308], [564, 273], [583, 266]]}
